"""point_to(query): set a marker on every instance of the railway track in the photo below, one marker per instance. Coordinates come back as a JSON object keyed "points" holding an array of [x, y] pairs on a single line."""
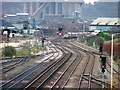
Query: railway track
{"points": [[61, 76], [25, 75], [49, 72], [118, 73], [59, 73], [87, 71], [113, 70], [64, 73], [108, 62], [88, 65], [11, 64], [88, 68], [14, 64], [108, 59]]}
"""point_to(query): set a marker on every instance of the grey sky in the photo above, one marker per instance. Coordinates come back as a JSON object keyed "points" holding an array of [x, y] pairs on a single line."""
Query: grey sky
{"points": [[55, 0], [109, 0]]}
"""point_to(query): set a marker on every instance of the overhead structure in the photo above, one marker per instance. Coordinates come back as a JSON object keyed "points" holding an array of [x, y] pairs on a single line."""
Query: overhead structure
{"points": [[106, 22], [40, 9], [35, 8]]}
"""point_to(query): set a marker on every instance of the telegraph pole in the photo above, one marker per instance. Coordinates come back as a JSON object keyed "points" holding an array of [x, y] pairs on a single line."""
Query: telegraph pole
{"points": [[112, 62]]}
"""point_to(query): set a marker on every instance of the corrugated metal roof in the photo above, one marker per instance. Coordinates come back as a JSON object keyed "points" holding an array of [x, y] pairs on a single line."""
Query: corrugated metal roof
{"points": [[106, 22]]}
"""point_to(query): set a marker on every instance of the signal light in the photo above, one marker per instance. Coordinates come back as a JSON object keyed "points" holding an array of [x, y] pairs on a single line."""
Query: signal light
{"points": [[100, 53], [101, 50], [60, 29], [60, 33], [103, 66], [103, 63]]}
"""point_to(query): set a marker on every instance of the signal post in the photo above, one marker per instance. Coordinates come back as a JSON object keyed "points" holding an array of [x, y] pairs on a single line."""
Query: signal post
{"points": [[102, 63]]}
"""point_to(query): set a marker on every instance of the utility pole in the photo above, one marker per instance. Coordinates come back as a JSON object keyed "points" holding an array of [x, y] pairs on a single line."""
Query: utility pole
{"points": [[112, 62]]}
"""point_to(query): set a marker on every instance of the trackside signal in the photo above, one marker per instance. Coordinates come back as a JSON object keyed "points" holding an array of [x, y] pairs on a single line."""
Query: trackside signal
{"points": [[103, 63], [43, 41], [100, 50], [60, 31]]}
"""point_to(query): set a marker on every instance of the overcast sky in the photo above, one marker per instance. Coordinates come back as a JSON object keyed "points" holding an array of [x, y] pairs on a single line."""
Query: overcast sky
{"points": [[90, 1], [86, 1]]}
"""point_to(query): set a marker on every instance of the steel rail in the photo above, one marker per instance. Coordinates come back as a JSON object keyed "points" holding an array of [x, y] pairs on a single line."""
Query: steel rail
{"points": [[89, 73], [50, 73], [96, 52], [74, 61], [85, 66], [40, 80], [98, 82], [26, 71], [12, 66], [82, 74], [69, 76], [91, 70]]}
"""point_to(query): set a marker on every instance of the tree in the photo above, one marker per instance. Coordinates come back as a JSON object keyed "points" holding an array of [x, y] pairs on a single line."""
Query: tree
{"points": [[9, 51]]}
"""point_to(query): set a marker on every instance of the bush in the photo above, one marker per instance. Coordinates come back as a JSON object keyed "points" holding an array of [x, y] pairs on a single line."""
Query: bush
{"points": [[105, 36], [9, 51], [25, 51], [35, 48]]}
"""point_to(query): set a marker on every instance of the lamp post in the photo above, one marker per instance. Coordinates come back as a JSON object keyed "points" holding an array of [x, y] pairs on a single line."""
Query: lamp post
{"points": [[112, 48], [112, 61]]}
